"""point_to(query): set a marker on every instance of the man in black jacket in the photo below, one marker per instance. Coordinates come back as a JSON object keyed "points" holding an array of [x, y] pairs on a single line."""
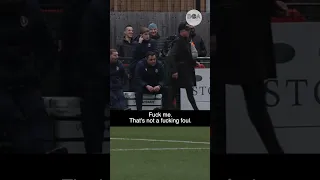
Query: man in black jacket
{"points": [[27, 54], [95, 70], [247, 65], [117, 78], [126, 46], [182, 65], [149, 79]]}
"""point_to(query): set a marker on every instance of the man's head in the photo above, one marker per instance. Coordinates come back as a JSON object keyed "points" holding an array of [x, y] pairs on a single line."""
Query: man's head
{"points": [[192, 31], [151, 58], [128, 31], [113, 55], [144, 33], [184, 29], [153, 29]]}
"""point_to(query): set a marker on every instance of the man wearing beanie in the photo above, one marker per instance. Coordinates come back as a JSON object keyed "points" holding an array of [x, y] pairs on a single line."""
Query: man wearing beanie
{"points": [[154, 34], [182, 65]]}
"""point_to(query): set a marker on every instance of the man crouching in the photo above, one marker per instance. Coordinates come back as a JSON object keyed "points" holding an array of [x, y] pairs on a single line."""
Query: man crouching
{"points": [[149, 79]]}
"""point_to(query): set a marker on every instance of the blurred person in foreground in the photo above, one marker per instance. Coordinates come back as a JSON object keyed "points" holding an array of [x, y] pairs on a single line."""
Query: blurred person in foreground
{"points": [[27, 55], [95, 74], [117, 79], [69, 44], [182, 64], [149, 79], [247, 65]]}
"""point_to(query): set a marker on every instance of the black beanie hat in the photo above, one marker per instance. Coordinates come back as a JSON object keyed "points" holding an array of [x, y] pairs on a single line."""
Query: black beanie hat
{"points": [[183, 26]]}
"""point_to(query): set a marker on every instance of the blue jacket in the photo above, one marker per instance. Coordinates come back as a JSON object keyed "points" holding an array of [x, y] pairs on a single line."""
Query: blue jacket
{"points": [[117, 76], [149, 75]]}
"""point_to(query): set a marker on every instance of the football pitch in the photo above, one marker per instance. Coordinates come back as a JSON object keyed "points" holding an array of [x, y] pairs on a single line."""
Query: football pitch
{"points": [[160, 153]]}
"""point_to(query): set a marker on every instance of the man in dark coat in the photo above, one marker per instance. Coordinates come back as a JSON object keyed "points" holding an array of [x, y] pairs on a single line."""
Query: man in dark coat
{"points": [[149, 79], [117, 78], [27, 54], [95, 70], [244, 57], [69, 41], [182, 65]]}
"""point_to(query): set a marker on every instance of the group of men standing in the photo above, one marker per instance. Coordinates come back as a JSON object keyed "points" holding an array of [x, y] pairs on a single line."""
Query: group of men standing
{"points": [[155, 68]]}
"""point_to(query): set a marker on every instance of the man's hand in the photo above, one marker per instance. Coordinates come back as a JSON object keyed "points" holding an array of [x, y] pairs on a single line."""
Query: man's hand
{"points": [[156, 88], [129, 76], [281, 5], [198, 64], [140, 39], [150, 88], [175, 75]]}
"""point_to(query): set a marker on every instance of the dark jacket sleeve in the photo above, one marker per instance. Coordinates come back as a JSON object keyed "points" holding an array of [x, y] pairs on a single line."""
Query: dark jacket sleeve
{"points": [[123, 73], [95, 39], [161, 75], [135, 58], [71, 22], [139, 76], [154, 47], [171, 59], [45, 51], [203, 50], [119, 49], [137, 50]]}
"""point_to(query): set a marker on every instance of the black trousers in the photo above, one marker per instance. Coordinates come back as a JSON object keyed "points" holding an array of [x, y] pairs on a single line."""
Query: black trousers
{"points": [[24, 118], [95, 99], [175, 90], [139, 97], [254, 94]]}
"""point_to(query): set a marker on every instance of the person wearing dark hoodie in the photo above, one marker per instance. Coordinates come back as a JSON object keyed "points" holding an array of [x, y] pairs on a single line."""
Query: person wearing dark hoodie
{"points": [[69, 45], [125, 47], [154, 34], [27, 55], [198, 42], [181, 65], [142, 46], [95, 67]]}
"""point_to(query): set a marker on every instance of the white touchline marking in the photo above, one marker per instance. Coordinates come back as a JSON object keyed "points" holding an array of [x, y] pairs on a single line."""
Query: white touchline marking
{"points": [[159, 140], [159, 149]]}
